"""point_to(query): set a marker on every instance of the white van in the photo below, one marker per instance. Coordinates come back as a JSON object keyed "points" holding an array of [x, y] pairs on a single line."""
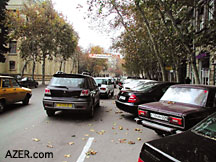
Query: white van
{"points": [[106, 86]]}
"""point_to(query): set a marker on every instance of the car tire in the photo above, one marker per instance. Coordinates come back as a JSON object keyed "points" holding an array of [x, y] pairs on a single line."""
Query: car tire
{"points": [[26, 100], [2, 106], [36, 85], [112, 94], [50, 113], [98, 104], [161, 133], [91, 112]]}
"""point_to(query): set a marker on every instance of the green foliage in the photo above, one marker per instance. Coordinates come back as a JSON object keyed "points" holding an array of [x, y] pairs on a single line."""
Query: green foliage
{"points": [[3, 30]]}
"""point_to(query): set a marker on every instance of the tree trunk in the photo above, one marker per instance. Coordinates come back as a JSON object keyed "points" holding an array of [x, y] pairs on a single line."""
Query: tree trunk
{"points": [[43, 69], [24, 67], [181, 36], [33, 67], [60, 67], [155, 48]]}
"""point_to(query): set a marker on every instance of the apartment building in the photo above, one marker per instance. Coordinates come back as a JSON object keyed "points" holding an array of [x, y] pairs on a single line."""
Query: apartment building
{"points": [[14, 63]]}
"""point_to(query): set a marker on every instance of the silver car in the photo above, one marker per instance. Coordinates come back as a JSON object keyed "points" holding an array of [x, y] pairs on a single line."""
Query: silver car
{"points": [[106, 86]]}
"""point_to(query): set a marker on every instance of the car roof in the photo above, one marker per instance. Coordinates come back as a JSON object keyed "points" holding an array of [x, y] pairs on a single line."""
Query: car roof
{"points": [[9, 77], [102, 78], [71, 76], [194, 86]]}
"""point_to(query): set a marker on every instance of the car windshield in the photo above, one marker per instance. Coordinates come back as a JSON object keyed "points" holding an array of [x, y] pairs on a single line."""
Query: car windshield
{"points": [[186, 95], [145, 87], [67, 82], [207, 128], [101, 81]]}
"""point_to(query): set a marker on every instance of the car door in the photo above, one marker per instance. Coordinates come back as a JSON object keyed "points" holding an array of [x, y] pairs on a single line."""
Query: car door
{"points": [[19, 94], [7, 91], [96, 89]]}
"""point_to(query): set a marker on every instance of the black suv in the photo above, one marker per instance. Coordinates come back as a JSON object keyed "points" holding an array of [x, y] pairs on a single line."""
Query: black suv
{"points": [[71, 92]]}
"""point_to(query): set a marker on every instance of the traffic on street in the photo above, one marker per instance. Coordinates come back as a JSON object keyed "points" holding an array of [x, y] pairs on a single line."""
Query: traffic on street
{"points": [[111, 135]]}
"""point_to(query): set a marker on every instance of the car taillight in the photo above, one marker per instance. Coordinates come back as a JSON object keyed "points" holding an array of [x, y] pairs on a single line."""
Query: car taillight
{"points": [[85, 93], [140, 160], [174, 120], [103, 89], [47, 91], [133, 98], [142, 113]]}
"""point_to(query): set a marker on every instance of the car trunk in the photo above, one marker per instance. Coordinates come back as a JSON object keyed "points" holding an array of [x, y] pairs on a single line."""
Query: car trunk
{"points": [[167, 113]]}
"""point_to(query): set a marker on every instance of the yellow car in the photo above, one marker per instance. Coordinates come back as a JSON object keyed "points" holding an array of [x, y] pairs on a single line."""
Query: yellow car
{"points": [[11, 92]]}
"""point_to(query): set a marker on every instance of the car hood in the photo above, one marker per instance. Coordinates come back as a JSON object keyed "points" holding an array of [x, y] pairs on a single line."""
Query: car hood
{"points": [[177, 109], [187, 147]]}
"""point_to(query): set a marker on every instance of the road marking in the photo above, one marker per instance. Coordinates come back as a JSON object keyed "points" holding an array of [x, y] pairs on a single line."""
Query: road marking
{"points": [[85, 149]]}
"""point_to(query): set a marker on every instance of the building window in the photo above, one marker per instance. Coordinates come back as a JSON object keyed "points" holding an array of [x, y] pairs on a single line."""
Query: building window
{"points": [[13, 47], [12, 65]]}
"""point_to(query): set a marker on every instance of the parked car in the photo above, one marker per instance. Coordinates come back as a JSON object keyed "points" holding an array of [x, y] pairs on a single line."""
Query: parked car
{"points": [[180, 108], [71, 92], [105, 85], [11, 92], [195, 145], [128, 100], [28, 82]]}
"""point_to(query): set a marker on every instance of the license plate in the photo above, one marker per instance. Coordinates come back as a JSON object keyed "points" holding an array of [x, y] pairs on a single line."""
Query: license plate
{"points": [[64, 105], [158, 116], [122, 97]]}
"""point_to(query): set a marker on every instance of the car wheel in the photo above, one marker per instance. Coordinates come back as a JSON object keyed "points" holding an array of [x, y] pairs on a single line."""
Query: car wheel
{"points": [[161, 133], [112, 94], [36, 85], [50, 113], [98, 104], [26, 100], [2, 106], [91, 112]]}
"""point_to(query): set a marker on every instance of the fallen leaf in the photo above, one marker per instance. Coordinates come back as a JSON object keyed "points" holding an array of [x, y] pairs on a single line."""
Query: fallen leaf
{"points": [[120, 128], [86, 135], [89, 124], [131, 142], [113, 127], [101, 132], [35, 139], [139, 139], [71, 143], [83, 139], [92, 130], [137, 129], [67, 155], [91, 152], [122, 140], [114, 124], [73, 136], [50, 146]]}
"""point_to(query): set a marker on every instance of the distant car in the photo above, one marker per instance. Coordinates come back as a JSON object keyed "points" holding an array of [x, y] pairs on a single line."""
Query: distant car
{"points": [[195, 145], [180, 108], [105, 85], [71, 92], [11, 92], [128, 100], [28, 82]]}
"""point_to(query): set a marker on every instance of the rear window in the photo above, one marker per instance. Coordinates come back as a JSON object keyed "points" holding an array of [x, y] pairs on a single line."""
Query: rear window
{"points": [[68, 82], [186, 95], [145, 87], [101, 81]]}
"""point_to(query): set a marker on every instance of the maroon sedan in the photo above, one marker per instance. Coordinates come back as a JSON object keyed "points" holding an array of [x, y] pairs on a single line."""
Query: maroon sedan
{"points": [[180, 108]]}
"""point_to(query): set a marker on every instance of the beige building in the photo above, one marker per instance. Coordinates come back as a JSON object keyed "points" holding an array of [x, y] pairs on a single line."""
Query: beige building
{"points": [[14, 64]]}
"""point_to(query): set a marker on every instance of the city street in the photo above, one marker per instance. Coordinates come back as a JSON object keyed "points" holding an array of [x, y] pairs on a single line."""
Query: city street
{"points": [[110, 136]]}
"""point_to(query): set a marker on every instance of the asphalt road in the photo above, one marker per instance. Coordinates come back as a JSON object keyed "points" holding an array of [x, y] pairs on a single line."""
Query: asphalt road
{"points": [[28, 135]]}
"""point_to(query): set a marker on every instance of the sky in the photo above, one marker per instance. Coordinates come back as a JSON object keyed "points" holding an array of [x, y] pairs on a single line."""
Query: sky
{"points": [[75, 16]]}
